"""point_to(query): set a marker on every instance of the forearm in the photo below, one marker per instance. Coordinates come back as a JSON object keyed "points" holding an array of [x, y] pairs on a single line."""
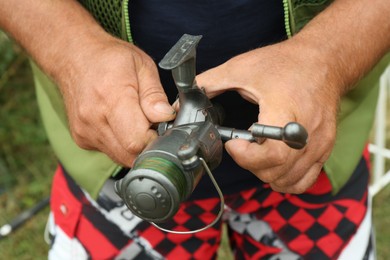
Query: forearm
{"points": [[348, 38], [56, 33]]}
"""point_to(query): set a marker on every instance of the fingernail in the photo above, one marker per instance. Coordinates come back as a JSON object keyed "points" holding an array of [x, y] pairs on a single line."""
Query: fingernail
{"points": [[164, 108]]}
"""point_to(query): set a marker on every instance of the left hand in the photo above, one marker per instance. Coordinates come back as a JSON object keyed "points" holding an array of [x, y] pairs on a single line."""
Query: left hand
{"points": [[290, 83]]}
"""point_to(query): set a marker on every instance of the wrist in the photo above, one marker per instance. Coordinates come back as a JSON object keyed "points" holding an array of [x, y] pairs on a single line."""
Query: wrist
{"points": [[73, 56]]}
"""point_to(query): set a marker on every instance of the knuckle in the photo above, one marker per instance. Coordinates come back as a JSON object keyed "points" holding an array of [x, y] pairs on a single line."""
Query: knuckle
{"points": [[277, 157], [294, 189], [302, 186], [268, 176], [126, 159], [84, 145], [84, 113], [329, 136], [276, 188], [284, 182], [148, 63], [152, 94], [81, 142], [299, 188], [147, 66], [77, 132], [134, 146], [79, 136]]}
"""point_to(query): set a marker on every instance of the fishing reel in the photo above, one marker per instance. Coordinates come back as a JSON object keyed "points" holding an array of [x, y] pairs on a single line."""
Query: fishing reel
{"points": [[169, 168]]}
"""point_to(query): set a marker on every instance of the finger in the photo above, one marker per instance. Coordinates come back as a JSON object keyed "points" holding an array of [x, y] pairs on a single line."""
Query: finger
{"points": [[214, 81], [300, 164], [266, 161], [85, 141], [110, 145], [101, 138], [153, 99], [176, 105], [304, 183], [128, 122]]}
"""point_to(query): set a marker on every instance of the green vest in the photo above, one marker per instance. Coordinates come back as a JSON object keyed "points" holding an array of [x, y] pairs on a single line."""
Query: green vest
{"points": [[90, 169]]}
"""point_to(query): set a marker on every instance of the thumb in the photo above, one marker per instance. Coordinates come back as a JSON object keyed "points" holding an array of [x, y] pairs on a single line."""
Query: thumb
{"points": [[275, 111], [215, 81], [153, 100]]}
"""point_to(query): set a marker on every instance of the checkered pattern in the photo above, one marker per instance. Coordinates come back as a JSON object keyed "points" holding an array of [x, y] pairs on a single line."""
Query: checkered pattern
{"points": [[191, 215], [261, 223], [316, 225]]}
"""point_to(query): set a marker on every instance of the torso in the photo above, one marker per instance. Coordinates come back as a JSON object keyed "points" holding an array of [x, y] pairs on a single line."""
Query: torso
{"points": [[229, 27]]}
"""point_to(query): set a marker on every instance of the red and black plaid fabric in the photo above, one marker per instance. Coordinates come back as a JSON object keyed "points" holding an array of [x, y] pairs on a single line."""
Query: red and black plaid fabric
{"points": [[316, 225], [78, 218], [313, 225]]}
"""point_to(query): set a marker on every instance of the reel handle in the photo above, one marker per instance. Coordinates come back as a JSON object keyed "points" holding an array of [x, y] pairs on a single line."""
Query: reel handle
{"points": [[293, 134]]}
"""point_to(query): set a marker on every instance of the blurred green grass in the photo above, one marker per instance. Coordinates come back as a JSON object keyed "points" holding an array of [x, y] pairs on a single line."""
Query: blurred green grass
{"points": [[26, 160], [27, 164]]}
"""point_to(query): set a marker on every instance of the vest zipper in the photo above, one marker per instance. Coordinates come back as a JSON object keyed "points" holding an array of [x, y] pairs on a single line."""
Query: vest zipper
{"points": [[126, 32], [287, 13]]}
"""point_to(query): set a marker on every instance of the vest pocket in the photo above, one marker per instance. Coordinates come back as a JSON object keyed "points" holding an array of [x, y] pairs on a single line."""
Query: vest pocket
{"points": [[302, 11], [108, 13]]}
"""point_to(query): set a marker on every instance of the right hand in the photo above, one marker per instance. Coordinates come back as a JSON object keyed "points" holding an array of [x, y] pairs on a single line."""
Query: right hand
{"points": [[290, 82], [112, 96]]}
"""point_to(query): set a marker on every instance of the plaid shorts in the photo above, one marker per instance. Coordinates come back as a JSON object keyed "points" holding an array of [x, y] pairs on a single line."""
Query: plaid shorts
{"points": [[261, 224]]}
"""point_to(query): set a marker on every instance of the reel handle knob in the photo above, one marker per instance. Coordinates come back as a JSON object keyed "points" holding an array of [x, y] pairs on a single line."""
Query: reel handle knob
{"points": [[293, 134]]}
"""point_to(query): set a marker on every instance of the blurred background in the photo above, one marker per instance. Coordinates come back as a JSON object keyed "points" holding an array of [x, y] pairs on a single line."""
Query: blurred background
{"points": [[27, 163]]}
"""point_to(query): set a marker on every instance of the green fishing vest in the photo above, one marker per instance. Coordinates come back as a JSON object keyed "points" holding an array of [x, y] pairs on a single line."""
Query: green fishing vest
{"points": [[90, 169]]}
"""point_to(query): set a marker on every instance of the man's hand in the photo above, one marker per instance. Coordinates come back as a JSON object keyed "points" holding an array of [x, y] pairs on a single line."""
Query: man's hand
{"points": [[302, 80], [111, 89], [112, 96], [287, 87]]}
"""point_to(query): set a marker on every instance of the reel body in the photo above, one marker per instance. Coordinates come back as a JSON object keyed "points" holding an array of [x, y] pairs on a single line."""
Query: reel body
{"points": [[168, 170]]}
